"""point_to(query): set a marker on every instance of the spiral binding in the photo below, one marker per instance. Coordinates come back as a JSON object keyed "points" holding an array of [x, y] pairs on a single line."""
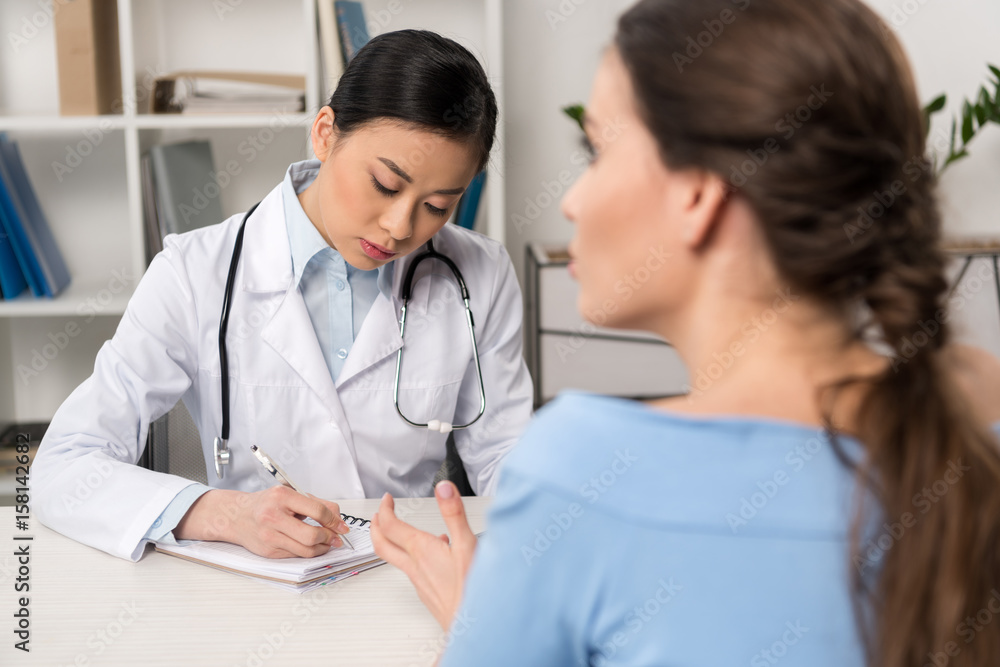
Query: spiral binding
{"points": [[354, 521]]}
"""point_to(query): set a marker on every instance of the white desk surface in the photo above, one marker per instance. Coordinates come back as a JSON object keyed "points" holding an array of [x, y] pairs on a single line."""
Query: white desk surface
{"points": [[88, 608]]}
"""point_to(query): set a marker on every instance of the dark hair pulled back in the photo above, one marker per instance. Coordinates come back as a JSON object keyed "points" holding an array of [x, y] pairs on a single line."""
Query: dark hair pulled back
{"points": [[420, 78]]}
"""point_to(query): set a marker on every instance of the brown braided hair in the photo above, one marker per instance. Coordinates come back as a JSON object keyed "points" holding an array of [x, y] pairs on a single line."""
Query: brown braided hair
{"points": [[808, 109]]}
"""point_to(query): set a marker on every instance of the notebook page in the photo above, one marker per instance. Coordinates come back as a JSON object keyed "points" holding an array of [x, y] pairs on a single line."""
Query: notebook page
{"points": [[236, 557]]}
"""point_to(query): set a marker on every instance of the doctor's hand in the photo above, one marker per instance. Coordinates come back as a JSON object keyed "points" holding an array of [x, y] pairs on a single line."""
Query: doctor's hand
{"points": [[436, 567], [268, 523]]}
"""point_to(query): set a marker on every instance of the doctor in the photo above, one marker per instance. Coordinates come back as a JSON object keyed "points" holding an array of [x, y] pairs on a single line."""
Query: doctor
{"points": [[313, 333]]}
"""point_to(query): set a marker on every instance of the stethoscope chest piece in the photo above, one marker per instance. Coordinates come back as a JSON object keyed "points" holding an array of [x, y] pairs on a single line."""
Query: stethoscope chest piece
{"points": [[221, 450]]}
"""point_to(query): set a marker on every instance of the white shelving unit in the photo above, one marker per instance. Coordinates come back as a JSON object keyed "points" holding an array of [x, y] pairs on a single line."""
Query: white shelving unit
{"points": [[87, 169]]}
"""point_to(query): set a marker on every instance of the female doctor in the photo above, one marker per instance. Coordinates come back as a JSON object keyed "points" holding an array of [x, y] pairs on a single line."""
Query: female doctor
{"points": [[313, 333]]}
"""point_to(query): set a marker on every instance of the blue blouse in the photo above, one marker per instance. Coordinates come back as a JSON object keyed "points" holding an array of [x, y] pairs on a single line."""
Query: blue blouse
{"points": [[624, 535]]}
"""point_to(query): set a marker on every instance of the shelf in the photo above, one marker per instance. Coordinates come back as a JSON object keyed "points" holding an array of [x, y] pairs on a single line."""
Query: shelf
{"points": [[69, 124], [184, 121], [44, 123], [82, 298]]}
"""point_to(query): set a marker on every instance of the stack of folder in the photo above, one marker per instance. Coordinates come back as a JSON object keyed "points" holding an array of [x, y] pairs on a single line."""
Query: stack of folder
{"points": [[29, 256], [205, 91]]}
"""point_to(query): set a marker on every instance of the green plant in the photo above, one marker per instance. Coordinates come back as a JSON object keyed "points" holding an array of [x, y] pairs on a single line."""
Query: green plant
{"points": [[982, 110], [575, 112]]}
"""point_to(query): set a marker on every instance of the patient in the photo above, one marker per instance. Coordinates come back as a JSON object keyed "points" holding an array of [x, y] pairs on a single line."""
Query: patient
{"points": [[829, 491]]}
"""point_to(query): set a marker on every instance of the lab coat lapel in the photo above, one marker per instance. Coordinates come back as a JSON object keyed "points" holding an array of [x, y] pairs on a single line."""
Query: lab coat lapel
{"points": [[268, 267], [377, 338], [290, 333]]}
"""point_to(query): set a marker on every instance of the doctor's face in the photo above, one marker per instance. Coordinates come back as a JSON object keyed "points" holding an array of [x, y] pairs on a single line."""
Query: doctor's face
{"points": [[385, 189]]}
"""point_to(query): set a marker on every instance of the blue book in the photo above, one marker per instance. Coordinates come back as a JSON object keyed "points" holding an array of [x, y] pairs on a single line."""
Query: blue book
{"points": [[353, 29], [12, 281], [54, 271], [12, 221], [465, 216]]}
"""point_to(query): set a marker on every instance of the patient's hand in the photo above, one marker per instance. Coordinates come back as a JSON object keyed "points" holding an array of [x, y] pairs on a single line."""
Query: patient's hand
{"points": [[268, 523], [436, 567]]}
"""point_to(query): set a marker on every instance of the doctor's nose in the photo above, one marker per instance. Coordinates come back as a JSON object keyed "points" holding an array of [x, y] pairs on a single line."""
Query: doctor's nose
{"points": [[398, 222]]}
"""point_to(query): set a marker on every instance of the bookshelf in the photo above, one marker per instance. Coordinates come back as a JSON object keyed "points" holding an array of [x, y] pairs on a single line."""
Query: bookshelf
{"points": [[86, 170]]}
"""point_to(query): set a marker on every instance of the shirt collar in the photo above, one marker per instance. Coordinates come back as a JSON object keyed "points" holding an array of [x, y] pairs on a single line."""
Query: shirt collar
{"points": [[304, 239]]}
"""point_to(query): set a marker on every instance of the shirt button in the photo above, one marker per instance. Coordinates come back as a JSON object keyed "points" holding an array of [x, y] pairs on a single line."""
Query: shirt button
{"points": [[157, 523], [342, 353], [340, 285]]}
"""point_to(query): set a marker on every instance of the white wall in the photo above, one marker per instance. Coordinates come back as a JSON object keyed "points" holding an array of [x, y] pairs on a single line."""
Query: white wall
{"points": [[549, 63]]}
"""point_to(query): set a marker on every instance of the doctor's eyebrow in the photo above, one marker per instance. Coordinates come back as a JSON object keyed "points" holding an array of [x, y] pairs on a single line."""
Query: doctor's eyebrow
{"points": [[396, 169]]}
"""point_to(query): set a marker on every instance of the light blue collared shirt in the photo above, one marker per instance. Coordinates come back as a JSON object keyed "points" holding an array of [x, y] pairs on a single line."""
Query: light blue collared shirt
{"points": [[337, 296], [624, 535]]}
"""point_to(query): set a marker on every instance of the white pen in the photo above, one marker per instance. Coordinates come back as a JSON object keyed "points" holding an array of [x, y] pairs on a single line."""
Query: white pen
{"points": [[283, 478]]}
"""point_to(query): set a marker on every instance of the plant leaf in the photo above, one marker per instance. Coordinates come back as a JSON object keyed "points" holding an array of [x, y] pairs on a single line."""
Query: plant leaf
{"points": [[936, 105], [995, 70], [576, 112], [967, 129], [980, 109]]}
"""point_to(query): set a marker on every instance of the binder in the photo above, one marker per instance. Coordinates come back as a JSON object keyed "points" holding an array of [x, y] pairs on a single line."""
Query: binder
{"points": [[468, 206], [11, 220], [50, 260], [180, 174], [353, 30], [87, 56], [12, 282], [332, 54]]}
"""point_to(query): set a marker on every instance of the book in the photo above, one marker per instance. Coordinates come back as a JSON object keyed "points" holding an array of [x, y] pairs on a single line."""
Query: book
{"points": [[293, 574], [468, 206], [331, 54], [86, 33], [353, 30], [53, 266], [183, 178], [12, 225], [12, 282]]}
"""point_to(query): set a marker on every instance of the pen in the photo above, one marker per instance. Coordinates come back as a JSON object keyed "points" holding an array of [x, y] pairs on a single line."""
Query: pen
{"points": [[283, 477]]}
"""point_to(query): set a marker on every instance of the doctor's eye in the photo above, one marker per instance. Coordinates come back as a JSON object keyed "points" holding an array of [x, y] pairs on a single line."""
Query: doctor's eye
{"points": [[442, 212], [381, 189]]}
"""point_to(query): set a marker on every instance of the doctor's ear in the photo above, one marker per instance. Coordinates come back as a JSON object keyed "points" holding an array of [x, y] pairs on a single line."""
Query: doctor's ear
{"points": [[324, 133]]}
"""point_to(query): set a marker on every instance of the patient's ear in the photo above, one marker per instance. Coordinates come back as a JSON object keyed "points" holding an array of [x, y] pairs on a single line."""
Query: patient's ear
{"points": [[701, 197]]}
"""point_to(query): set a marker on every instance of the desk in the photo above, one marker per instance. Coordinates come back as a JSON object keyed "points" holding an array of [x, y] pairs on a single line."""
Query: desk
{"points": [[88, 608]]}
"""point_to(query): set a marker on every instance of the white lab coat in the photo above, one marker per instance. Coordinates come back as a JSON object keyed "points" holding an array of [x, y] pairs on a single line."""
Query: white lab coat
{"points": [[337, 440]]}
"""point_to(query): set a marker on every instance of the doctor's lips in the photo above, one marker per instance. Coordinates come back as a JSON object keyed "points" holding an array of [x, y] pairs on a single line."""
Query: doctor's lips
{"points": [[376, 251]]}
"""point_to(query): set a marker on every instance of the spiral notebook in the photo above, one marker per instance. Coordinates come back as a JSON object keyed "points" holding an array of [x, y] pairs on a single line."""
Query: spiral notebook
{"points": [[293, 574]]}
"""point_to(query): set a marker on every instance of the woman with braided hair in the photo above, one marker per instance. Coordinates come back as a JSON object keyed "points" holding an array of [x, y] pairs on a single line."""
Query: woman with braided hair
{"points": [[829, 491]]}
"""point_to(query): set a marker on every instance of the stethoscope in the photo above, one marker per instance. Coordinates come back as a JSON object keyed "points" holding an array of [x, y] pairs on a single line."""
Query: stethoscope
{"points": [[221, 445]]}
